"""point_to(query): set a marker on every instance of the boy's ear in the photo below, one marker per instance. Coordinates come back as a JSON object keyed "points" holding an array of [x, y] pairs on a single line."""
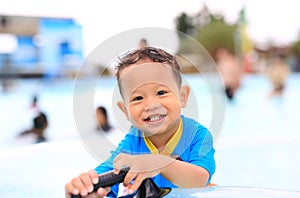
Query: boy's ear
{"points": [[121, 105], [184, 95]]}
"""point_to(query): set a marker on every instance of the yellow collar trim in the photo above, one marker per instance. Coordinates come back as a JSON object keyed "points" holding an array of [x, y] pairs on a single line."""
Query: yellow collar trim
{"points": [[170, 146]]}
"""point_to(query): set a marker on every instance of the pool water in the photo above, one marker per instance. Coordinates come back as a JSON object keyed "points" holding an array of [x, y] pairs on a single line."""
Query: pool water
{"points": [[257, 147]]}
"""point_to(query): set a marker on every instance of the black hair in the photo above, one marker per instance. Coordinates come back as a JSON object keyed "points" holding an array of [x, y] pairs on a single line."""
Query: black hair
{"points": [[149, 53]]}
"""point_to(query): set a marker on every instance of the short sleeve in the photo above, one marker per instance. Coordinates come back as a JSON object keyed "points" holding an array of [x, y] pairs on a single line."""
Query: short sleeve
{"points": [[202, 151]]}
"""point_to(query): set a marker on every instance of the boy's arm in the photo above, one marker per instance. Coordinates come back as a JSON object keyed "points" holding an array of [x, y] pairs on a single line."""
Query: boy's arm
{"points": [[196, 171], [182, 174], [185, 175]]}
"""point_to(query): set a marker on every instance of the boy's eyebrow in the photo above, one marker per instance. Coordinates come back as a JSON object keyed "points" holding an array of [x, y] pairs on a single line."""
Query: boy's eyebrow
{"points": [[158, 85]]}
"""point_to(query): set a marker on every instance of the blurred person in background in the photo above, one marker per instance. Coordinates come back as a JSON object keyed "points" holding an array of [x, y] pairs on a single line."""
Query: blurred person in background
{"points": [[278, 73], [34, 103], [102, 119], [143, 43], [113, 134], [40, 124], [230, 71]]}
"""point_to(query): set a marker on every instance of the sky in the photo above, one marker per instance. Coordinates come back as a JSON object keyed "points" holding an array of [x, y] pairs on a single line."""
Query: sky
{"points": [[267, 19]]}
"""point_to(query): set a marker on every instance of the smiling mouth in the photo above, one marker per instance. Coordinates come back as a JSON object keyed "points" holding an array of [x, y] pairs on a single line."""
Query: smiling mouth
{"points": [[155, 118]]}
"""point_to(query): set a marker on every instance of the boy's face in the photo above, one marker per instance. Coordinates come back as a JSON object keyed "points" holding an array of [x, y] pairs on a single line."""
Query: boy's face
{"points": [[152, 98]]}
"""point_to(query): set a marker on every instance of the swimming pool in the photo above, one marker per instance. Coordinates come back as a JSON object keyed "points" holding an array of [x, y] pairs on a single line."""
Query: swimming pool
{"points": [[258, 147]]}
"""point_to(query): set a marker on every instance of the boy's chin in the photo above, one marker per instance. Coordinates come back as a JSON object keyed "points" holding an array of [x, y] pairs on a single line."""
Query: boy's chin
{"points": [[149, 133], [154, 129]]}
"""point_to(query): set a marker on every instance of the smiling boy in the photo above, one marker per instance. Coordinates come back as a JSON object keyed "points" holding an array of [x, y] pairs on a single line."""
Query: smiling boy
{"points": [[151, 87]]}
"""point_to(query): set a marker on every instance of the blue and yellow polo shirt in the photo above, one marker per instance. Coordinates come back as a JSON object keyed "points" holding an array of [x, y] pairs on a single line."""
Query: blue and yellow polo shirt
{"points": [[192, 143]]}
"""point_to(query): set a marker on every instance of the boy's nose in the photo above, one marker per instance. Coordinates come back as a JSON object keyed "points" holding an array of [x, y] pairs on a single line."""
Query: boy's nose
{"points": [[151, 106]]}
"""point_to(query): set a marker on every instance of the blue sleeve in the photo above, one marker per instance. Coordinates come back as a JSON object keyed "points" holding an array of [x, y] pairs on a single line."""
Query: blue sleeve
{"points": [[125, 146], [202, 151], [108, 165]]}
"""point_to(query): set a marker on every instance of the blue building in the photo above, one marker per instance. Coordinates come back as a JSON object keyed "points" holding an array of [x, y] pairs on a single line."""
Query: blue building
{"points": [[39, 46]]}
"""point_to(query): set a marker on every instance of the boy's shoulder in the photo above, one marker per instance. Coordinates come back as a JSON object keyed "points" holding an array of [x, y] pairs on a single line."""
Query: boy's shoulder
{"points": [[190, 122], [192, 129]]}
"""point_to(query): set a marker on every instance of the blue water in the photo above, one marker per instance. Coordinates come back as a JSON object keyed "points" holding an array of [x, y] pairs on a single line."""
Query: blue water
{"points": [[257, 147]]}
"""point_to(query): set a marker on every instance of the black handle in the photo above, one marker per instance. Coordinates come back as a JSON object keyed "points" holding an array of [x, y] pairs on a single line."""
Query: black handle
{"points": [[108, 179]]}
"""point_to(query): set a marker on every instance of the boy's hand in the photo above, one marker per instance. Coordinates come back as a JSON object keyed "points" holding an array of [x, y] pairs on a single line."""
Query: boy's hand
{"points": [[84, 184], [141, 167]]}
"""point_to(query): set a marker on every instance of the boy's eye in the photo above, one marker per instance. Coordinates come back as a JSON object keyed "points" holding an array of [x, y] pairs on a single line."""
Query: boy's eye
{"points": [[161, 92], [137, 98]]}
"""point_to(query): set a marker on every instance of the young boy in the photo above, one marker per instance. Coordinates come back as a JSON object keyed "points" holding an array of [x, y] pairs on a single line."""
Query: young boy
{"points": [[162, 144]]}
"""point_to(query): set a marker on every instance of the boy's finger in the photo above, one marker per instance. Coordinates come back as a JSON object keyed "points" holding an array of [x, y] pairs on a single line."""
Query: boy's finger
{"points": [[93, 176], [70, 189], [87, 182], [101, 192], [116, 171], [128, 178], [137, 182], [78, 184]]}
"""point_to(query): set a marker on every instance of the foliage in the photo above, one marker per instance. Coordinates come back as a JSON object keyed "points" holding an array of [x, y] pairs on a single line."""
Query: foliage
{"points": [[184, 23], [217, 34], [213, 32], [296, 48]]}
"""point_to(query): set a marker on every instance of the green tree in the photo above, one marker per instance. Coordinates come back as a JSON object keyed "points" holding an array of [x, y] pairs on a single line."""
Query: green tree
{"points": [[296, 48], [217, 34], [184, 23], [213, 32]]}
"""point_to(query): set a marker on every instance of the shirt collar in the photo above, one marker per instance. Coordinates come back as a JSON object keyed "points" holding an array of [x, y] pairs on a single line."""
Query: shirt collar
{"points": [[170, 146]]}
